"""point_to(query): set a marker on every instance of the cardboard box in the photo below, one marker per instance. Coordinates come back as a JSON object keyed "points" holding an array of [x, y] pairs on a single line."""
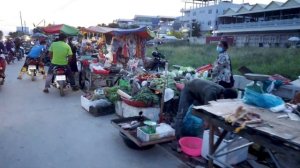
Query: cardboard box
{"points": [[230, 158]]}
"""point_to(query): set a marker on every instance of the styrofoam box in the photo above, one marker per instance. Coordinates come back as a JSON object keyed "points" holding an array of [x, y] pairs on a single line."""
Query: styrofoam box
{"points": [[118, 108], [86, 103], [150, 137], [151, 113], [230, 158]]}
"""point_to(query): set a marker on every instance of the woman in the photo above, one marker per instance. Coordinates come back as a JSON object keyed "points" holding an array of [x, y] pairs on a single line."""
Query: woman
{"points": [[222, 70]]}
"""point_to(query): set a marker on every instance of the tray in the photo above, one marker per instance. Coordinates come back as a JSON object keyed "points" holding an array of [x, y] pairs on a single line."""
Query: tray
{"points": [[256, 77], [132, 134]]}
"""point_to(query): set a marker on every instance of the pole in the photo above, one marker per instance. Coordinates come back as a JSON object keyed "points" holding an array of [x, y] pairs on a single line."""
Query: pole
{"points": [[21, 21]]}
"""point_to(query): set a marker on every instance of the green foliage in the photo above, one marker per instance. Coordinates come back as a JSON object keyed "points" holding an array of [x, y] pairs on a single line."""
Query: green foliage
{"points": [[177, 34], [283, 61]]}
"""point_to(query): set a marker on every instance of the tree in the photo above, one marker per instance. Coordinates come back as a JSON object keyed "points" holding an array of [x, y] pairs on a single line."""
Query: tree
{"points": [[195, 29], [102, 24], [113, 25], [177, 34]]}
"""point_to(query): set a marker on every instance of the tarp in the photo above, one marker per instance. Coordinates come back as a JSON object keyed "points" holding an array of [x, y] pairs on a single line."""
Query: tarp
{"points": [[61, 28], [143, 32]]}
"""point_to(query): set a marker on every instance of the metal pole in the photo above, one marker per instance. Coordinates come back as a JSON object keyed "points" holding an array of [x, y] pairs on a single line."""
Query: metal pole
{"points": [[21, 21]]}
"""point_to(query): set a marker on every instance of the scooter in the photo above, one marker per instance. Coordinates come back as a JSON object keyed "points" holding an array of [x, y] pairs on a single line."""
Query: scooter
{"points": [[60, 79], [2, 70], [32, 69], [9, 57], [157, 63]]}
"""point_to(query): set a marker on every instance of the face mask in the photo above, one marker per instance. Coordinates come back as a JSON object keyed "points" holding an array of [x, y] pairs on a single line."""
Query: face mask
{"points": [[219, 49]]}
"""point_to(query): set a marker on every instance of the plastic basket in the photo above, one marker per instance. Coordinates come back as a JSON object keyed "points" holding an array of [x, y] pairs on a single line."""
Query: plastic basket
{"points": [[135, 103], [191, 145]]}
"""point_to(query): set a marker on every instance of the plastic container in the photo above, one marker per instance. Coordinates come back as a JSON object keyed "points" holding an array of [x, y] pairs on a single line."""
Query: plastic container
{"points": [[191, 145], [230, 158], [135, 103]]}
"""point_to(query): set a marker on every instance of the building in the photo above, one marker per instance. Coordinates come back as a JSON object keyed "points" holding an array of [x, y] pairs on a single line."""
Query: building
{"points": [[159, 23], [23, 29], [262, 25], [124, 23], [205, 13]]}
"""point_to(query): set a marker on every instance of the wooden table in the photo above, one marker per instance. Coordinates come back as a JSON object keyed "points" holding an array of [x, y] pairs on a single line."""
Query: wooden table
{"points": [[281, 135]]}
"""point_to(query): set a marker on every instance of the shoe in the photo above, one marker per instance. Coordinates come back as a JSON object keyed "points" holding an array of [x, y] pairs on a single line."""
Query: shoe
{"points": [[46, 90], [44, 76], [19, 77]]}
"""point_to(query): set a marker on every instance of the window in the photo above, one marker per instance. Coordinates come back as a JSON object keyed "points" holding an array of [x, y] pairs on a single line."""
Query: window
{"points": [[209, 23], [194, 13], [210, 11]]}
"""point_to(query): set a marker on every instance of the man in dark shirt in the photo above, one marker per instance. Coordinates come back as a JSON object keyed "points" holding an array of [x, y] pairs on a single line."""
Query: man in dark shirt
{"points": [[199, 92]]}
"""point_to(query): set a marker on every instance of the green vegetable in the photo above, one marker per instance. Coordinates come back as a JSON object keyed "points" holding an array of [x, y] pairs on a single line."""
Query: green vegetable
{"points": [[147, 96]]}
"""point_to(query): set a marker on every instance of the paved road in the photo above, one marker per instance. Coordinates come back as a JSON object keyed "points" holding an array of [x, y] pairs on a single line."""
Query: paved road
{"points": [[39, 130]]}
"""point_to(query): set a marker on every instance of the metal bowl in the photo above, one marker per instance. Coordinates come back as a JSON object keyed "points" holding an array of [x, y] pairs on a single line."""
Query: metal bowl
{"points": [[257, 77]]}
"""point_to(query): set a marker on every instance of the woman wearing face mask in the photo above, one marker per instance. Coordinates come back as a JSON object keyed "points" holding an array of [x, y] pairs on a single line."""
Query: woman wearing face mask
{"points": [[222, 70]]}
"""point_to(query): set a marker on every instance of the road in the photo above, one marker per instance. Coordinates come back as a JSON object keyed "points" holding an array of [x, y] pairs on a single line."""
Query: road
{"points": [[39, 130]]}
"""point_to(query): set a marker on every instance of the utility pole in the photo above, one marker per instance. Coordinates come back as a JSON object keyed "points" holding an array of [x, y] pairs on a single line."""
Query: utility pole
{"points": [[21, 21]]}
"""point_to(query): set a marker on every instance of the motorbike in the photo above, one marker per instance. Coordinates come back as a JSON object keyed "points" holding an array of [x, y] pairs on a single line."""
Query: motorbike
{"points": [[60, 79], [9, 57], [157, 63], [2, 70], [19, 54], [32, 69]]}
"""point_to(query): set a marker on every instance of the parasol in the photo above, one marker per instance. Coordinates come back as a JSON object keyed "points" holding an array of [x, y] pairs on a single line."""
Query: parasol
{"points": [[61, 28], [38, 35]]}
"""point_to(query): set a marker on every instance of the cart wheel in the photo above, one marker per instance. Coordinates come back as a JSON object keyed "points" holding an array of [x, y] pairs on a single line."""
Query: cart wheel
{"points": [[132, 145], [81, 80]]}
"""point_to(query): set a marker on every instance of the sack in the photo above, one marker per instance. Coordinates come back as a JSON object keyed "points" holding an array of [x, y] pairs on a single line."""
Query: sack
{"points": [[264, 100]]}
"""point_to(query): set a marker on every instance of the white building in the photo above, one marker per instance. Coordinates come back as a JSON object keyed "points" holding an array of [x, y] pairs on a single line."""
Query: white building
{"points": [[205, 12]]}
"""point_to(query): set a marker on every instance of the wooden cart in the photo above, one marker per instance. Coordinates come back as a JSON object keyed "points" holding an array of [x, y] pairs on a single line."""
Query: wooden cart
{"points": [[132, 133]]}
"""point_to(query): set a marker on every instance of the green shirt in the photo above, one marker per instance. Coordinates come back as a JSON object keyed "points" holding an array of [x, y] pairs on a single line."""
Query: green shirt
{"points": [[61, 51]]}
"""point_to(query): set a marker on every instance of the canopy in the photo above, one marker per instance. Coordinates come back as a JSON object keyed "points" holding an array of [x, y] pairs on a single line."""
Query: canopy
{"points": [[143, 32], [61, 28]]}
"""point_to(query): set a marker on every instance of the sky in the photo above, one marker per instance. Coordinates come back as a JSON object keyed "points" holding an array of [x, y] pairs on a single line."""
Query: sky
{"points": [[86, 12]]}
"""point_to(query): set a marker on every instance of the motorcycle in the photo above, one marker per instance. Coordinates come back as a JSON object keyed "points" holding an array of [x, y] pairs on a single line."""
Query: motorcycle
{"points": [[19, 54], [9, 57], [60, 79], [2, 70], [157, 63], [32, 69]]}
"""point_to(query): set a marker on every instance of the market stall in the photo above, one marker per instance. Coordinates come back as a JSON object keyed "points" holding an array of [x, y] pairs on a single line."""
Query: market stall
{"points": [[125, 44], [277, 134]]}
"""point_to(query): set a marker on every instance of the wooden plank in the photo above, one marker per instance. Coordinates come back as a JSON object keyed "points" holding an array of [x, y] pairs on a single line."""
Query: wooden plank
{"points": [[281, 128]]}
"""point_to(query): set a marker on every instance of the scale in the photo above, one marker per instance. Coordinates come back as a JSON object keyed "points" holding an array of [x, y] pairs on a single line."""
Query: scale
{"points": [[256, 77]]}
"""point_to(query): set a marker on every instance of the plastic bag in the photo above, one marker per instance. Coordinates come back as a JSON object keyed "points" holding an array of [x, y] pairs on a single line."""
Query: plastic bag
{"points": [[191, 124], [264, 100]]}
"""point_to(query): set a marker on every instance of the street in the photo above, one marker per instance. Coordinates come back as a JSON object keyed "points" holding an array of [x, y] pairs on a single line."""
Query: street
{"points": [[39, 130]]}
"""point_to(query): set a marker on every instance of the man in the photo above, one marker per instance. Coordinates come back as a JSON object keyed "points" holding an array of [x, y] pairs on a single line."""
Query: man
{"points": [[199, 92], [60, 52], [34, 53]]}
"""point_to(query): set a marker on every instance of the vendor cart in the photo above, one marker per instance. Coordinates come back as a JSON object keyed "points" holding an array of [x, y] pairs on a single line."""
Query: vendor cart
{"points": [[90, 79], [131, 133]]}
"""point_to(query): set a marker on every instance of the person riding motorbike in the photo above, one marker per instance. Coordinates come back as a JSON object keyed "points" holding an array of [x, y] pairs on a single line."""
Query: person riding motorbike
{"points": [[60, 52], [2, 60], [34, 53]]}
